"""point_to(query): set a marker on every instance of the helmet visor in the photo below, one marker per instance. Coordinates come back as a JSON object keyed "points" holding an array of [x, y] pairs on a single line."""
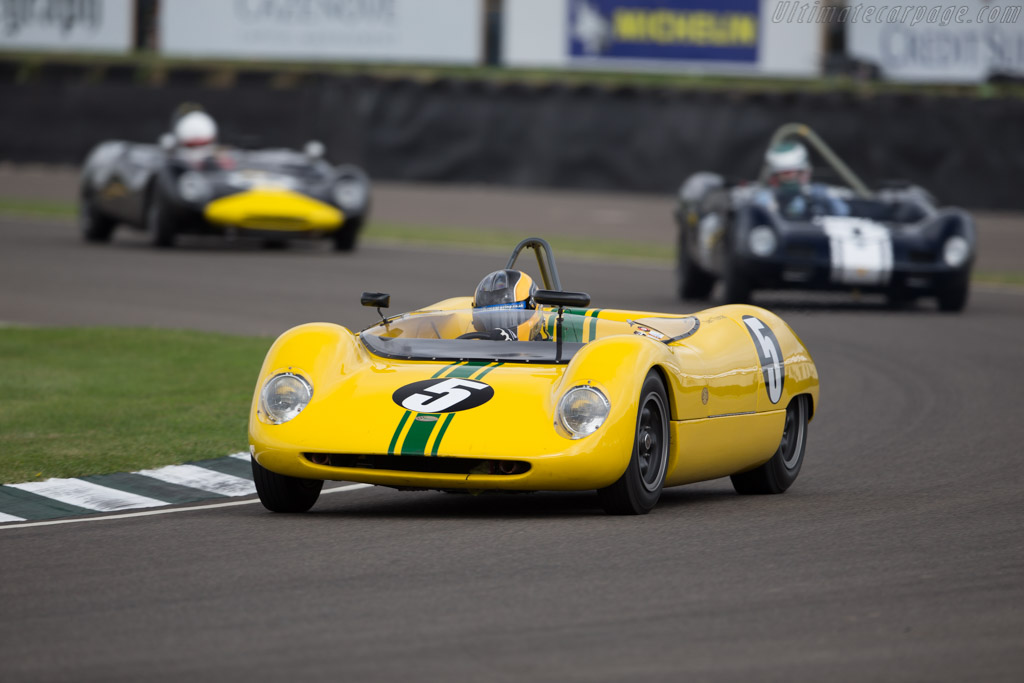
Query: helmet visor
{"points": [[502, 316]]}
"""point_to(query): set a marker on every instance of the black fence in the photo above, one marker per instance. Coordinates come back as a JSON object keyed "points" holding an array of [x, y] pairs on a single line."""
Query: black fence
{"points": [[967, 151]]}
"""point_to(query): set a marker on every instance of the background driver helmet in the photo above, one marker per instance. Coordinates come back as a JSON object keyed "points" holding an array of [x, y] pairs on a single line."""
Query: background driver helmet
{"points": [[504, 301], [196, 130], [789, 165]]}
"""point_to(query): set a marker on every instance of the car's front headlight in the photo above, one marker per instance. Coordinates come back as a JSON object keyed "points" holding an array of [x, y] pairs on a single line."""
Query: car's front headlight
{"points": [[194, 188], [762, 241], [350, 194], [956, 251], [284, 396], [582, 411]]}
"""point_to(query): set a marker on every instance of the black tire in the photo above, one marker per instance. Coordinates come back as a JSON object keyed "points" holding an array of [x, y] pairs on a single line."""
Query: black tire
{"points": [[694, 282], [281, 493], [94, 225], [779, 473], [953, 297], [737, 284], [345, 237], [639, 488], [275, 245], [159, 227]]}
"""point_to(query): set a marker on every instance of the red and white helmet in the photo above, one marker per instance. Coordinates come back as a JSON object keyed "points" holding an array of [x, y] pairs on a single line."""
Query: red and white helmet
{"points": [[196, 129]]}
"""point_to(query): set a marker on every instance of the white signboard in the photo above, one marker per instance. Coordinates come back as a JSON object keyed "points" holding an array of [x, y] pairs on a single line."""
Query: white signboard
{"points": [[63, 26], [934, 42], [439, 31], [704, 36]]}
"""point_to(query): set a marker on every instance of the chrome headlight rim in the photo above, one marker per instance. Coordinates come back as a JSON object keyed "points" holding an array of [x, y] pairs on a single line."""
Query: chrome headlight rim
{"points": [[194, 187], [272, 417], [563, 422], [762, 241], [956, 251]]}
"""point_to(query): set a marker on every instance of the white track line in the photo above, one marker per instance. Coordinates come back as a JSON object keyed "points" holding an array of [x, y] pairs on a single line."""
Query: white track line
{"points": [[162, 511], [88, 495], [203, 479]]}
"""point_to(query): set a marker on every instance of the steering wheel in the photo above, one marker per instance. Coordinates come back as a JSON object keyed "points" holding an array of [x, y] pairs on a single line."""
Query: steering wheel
{"points": [[475, 335]]}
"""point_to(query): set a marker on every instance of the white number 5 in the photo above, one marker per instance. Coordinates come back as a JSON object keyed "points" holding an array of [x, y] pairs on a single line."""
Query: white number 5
{"points": [[442, 396]]}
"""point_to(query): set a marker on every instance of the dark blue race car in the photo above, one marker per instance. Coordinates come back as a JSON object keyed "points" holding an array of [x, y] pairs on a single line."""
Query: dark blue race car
{"points": [[784, 232]]}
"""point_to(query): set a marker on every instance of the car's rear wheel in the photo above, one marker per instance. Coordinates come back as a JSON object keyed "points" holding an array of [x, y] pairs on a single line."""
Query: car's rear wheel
{"points": [[638, 489], [281, 493], [95, 226], [159, 227], [345, 236], [779, 473], [694, 282]]}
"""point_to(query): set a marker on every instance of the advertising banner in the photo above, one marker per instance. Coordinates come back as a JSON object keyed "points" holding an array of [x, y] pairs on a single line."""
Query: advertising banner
{"points": [[704, 36], [64, 26], [716, 30], [438, 31], [940, 43]]}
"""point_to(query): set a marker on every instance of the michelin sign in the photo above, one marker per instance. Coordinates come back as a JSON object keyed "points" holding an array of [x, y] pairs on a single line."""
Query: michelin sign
{"points": [[714, 36], [726, 30]]}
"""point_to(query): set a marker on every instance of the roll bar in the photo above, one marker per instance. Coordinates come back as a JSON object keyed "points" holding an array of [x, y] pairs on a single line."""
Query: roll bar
{"points": [[545, 261]]}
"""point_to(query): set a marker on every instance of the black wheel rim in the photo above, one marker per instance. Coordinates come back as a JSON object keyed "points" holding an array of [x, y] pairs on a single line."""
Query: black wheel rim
{"points": [[652, 442], [793, 434]]}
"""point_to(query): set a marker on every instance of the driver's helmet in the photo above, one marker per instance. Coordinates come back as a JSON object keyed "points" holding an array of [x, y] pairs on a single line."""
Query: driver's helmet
{"points": [[196, 130], [503, 305], [789, 165]]}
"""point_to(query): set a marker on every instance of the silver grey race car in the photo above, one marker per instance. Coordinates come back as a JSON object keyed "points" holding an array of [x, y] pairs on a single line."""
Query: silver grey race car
{"points": [[273, 194]]}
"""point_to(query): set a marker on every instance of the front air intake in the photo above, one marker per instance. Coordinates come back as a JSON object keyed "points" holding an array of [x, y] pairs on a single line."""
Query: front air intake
{"points": [[420, 463]]}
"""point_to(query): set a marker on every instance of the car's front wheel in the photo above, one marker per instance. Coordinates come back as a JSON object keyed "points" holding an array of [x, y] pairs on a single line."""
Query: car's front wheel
{"points": [[281, 493], [639, 488], [694, 282], [953, 297], [345, 236], [159, 227], [737, 282], [95, 226], [779, 473]]}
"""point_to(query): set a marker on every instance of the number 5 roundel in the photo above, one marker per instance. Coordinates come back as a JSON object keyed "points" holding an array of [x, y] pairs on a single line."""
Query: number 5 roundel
{"points": [[443, 395], [770, 354]]}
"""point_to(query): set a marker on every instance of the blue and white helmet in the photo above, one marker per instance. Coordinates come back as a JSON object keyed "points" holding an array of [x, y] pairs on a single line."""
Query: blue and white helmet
{"points": [[504, 301]]}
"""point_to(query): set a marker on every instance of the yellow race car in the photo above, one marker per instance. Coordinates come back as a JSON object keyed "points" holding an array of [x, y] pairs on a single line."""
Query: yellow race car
{"points": [[526, 389]]}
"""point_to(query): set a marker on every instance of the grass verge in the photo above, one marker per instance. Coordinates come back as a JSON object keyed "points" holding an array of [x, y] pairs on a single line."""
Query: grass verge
{"points": [[99, 400]]}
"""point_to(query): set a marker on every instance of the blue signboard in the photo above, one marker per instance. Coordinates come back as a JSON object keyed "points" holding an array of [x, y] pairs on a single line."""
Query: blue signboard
{"points": [[664, 30]]}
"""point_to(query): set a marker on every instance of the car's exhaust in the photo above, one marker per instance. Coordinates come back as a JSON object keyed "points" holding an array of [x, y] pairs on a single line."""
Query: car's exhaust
{"points": [[319, 458]]}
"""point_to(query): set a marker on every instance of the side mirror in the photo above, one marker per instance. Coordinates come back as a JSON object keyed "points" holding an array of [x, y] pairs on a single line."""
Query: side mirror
{"points": [[167, 142], [314, 149], [549, 297], [375, 299]]}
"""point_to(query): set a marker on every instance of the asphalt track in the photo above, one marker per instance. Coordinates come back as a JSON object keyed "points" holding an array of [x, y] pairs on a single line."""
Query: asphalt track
{"points": [[897, 556]]}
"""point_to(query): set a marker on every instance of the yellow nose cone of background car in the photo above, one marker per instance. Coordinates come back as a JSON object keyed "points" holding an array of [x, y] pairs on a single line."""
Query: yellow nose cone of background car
{"points": [[274, 209]]}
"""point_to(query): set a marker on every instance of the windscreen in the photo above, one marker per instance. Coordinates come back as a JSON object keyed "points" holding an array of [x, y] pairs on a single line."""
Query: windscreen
{"points": [[453, 335]]}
